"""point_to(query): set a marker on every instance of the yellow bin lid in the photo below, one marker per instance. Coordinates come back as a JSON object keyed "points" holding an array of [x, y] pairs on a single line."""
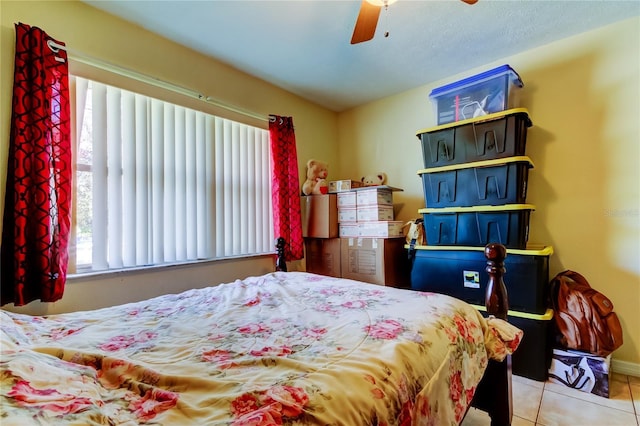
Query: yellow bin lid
{"points": [[493, 116], [548, 315], [530, 250], [475, 209], [483, 163]]}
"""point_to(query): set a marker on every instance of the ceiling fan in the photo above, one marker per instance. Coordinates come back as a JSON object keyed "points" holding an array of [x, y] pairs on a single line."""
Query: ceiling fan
{"points": [[368, 18]]}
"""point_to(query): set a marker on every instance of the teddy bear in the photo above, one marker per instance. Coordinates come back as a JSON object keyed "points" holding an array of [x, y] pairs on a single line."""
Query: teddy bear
{"points": [[379, 178], [316, 183]]}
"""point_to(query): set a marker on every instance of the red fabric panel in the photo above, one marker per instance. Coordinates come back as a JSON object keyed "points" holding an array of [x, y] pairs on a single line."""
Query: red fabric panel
{"points": [[37, 219], [286, 186]]}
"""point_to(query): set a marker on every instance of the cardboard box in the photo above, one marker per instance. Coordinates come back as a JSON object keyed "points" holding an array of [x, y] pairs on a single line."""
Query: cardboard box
{"points": [[380, 229], [343, 185], [374, 213], [374, 195], [322, 256], [347, 199], [381, 261], [582, 371], [348, 230], [347, 215], [319, 216]]}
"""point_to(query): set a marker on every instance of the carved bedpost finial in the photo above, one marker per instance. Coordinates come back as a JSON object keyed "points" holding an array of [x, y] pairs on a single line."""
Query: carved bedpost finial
{"points": [[281, 265], [496, 302]]}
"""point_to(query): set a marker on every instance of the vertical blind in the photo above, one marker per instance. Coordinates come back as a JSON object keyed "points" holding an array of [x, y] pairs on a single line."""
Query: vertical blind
{"points": [[172, 184]]}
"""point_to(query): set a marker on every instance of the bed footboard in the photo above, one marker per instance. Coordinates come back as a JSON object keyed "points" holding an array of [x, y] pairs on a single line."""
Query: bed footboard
{"points": [[493, 394]]}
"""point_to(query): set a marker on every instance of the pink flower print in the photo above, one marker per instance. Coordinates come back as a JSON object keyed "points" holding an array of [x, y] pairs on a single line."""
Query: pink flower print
{"points": [[355, 304], [451, 334], [47, 399], [222, 358], [465, 328], [292, 399], [263, 416], [369, 378], [153, 402], [386, 329], [253, 301], [406, 416], [268, 407], [123, 342], [244, 404], [460, 409], [330, 291], [455, 386], [117, 343], [330, 309], [214, 337], [268, 350], [377, 393], [253, 328], [314, 333], [469, 393], [60, 333]]}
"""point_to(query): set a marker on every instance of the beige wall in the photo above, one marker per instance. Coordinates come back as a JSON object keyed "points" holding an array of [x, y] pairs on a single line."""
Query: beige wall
{"points": [[582, 94]]}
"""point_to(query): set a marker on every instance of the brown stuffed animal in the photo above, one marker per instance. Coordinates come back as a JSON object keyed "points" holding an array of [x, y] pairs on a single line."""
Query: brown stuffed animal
{"points": [[316, 183]]}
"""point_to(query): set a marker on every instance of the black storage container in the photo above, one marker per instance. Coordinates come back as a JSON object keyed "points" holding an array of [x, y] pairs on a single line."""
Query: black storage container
{"points": [[532, 359], [461, 272], [491, 182], [478, 225], [499, 135]]}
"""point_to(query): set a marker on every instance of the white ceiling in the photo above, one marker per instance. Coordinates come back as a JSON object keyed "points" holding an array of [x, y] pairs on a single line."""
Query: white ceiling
{"points": [[303, 46]]}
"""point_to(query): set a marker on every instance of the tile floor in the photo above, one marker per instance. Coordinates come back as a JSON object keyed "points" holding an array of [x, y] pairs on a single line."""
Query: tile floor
{"points": [[549, 404]]}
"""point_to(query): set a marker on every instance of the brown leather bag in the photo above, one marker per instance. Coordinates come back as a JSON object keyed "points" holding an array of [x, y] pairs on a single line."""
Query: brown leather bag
{"points": [[584, 317]]}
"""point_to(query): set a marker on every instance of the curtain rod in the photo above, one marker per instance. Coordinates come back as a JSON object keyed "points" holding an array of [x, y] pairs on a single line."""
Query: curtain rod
{"points": [[97, 63]]}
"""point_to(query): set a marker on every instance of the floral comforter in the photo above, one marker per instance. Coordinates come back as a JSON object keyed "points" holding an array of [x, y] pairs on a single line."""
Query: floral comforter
{"points": [[283, 348]]}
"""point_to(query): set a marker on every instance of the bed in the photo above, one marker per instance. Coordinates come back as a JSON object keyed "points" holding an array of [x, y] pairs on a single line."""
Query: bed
{"points": [[289, 348]]}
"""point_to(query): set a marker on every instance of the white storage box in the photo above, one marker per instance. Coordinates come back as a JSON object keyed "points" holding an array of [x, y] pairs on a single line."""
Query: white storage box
{"points": [[380, 229], [343, 185], [347, 199], [347, 215], [375, 196], [349, 230], [374, 213]]}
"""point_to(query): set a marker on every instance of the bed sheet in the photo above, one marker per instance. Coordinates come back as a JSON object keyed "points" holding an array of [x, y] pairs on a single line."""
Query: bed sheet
{"points": [[283, 348]]}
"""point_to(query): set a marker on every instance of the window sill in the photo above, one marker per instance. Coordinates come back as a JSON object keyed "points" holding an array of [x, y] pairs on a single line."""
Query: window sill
{"points": [[95, 275]]}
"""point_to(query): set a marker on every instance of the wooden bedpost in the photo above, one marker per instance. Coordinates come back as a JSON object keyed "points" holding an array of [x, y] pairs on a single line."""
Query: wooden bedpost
{"points": [[493, 394], [496, 299], [281, 265]]}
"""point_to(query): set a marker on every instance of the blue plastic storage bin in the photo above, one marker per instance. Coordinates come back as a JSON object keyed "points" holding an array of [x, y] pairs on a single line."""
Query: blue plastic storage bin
{"points": [[481, 94], [499, 135], [491, 182], [478, 225]]}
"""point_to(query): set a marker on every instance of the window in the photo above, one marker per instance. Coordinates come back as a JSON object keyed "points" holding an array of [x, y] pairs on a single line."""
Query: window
{"points": [[157, 183]]}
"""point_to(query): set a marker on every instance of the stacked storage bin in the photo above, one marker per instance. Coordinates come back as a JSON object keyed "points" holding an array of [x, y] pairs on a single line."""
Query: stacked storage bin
{"points": [[475, 186]]}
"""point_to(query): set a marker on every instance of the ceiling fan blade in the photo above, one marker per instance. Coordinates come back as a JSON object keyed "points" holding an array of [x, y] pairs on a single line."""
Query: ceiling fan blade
{"points": [[366, 23], [470, 1]]}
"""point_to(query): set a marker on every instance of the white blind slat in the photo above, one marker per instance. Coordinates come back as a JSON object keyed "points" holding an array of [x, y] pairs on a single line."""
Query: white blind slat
{"points": [[100, 202], [171, 184]]}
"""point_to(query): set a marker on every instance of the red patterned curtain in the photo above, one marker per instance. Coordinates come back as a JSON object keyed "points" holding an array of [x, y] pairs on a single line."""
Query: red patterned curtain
{"points": [[286, 186], [35, 231]]}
